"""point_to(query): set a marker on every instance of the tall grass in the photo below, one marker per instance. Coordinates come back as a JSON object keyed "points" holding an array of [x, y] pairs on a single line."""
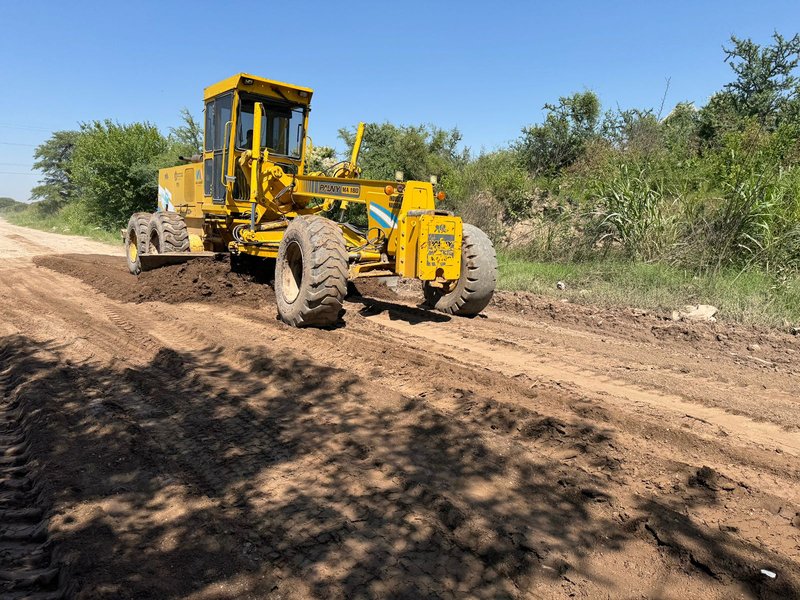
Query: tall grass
{"points": [[638, 213]]}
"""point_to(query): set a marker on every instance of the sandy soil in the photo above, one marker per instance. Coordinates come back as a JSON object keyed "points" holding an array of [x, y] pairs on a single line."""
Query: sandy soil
{"points": [[168, 437]]}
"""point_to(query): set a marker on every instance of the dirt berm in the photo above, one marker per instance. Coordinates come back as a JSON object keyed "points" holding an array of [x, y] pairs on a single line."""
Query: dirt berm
{"points": [[200, 280]]}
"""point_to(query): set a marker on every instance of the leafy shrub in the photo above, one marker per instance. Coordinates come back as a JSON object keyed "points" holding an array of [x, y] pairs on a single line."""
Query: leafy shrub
{"points": [[113, 167], [498, 174], [560, 140], [484, 211]]}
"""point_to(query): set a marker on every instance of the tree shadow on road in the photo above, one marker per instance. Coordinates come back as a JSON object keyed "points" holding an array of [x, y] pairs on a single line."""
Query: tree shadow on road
{"points": [[284, 478]]}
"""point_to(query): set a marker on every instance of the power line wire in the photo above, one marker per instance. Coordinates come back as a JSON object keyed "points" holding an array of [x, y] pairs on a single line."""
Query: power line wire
{"points": [[16, 173], [17, 144], [24, 127]]}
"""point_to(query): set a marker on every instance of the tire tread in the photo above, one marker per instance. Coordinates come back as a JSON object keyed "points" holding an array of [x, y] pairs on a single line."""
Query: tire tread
{"points": [[322, 296]]}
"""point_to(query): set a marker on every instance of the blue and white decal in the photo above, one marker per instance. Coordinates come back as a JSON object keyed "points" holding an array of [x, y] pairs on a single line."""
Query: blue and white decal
{"points": [[165, 199], [382, 216]]}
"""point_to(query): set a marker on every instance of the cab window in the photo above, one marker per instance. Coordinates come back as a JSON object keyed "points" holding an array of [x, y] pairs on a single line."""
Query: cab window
{"points": [[218, 113], [281, 127]]}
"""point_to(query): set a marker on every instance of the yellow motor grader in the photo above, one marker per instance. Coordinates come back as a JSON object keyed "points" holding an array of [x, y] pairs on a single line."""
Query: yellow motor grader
{"points": [[249, 194]]}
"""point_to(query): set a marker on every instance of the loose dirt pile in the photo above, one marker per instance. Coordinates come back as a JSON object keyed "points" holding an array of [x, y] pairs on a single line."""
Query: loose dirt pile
{"points": [[374, 288], [199, 280]]}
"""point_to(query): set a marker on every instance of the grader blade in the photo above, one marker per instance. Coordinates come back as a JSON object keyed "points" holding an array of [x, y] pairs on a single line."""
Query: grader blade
{"points": [[155, 261]]}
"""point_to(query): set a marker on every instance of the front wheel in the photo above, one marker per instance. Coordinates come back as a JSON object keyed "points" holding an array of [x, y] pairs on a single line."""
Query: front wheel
{"points": [[311, 272], [474, 289]]}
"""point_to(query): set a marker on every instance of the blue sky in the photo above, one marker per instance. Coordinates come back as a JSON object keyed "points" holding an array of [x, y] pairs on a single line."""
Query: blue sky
{"points": [[484, 67]]}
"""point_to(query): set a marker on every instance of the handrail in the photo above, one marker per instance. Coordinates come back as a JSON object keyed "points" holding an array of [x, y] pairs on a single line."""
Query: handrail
{"points": [[224, 169]]}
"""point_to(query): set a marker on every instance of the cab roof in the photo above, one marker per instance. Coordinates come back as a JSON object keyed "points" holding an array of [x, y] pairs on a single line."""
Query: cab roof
{"points": [[245, 82]]}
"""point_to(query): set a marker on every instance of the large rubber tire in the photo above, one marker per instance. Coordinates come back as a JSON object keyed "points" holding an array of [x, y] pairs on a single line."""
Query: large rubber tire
{"points": [[136, 241], [311, 273], [474, 289], [166, 232]]}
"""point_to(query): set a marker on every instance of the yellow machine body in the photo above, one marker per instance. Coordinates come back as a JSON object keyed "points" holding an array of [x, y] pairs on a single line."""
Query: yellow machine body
{"points": [[428, 245], [250, 181]]}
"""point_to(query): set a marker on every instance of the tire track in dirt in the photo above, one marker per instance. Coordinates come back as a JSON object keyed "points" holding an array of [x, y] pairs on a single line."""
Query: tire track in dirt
{"points": [[31, 246], [421, 370], [701, 377], [512, 363], [29, 568], [195, 447], [23, 243]]}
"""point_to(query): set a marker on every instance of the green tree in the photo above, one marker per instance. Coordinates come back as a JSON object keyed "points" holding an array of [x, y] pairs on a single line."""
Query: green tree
{"points": [[547, 148], [188, 136], [320, 159], [115, 168], [765, 83], [54, 158], [417, 151], [680, 130]]}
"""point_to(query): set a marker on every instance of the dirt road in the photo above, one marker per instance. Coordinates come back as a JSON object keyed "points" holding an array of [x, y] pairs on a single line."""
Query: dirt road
{"points": [[167, 437]]}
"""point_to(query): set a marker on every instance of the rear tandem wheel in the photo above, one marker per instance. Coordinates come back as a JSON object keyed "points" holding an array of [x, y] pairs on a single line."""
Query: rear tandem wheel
{"points": [[136, 241], [167, 232]]}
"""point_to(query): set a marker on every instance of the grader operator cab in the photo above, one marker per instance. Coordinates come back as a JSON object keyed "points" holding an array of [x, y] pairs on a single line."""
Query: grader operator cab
{"points": [[249, 194]]}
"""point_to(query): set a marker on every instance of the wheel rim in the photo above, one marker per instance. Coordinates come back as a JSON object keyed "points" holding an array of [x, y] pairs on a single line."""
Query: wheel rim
{"points": [[292, 272], [132, 251]]}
